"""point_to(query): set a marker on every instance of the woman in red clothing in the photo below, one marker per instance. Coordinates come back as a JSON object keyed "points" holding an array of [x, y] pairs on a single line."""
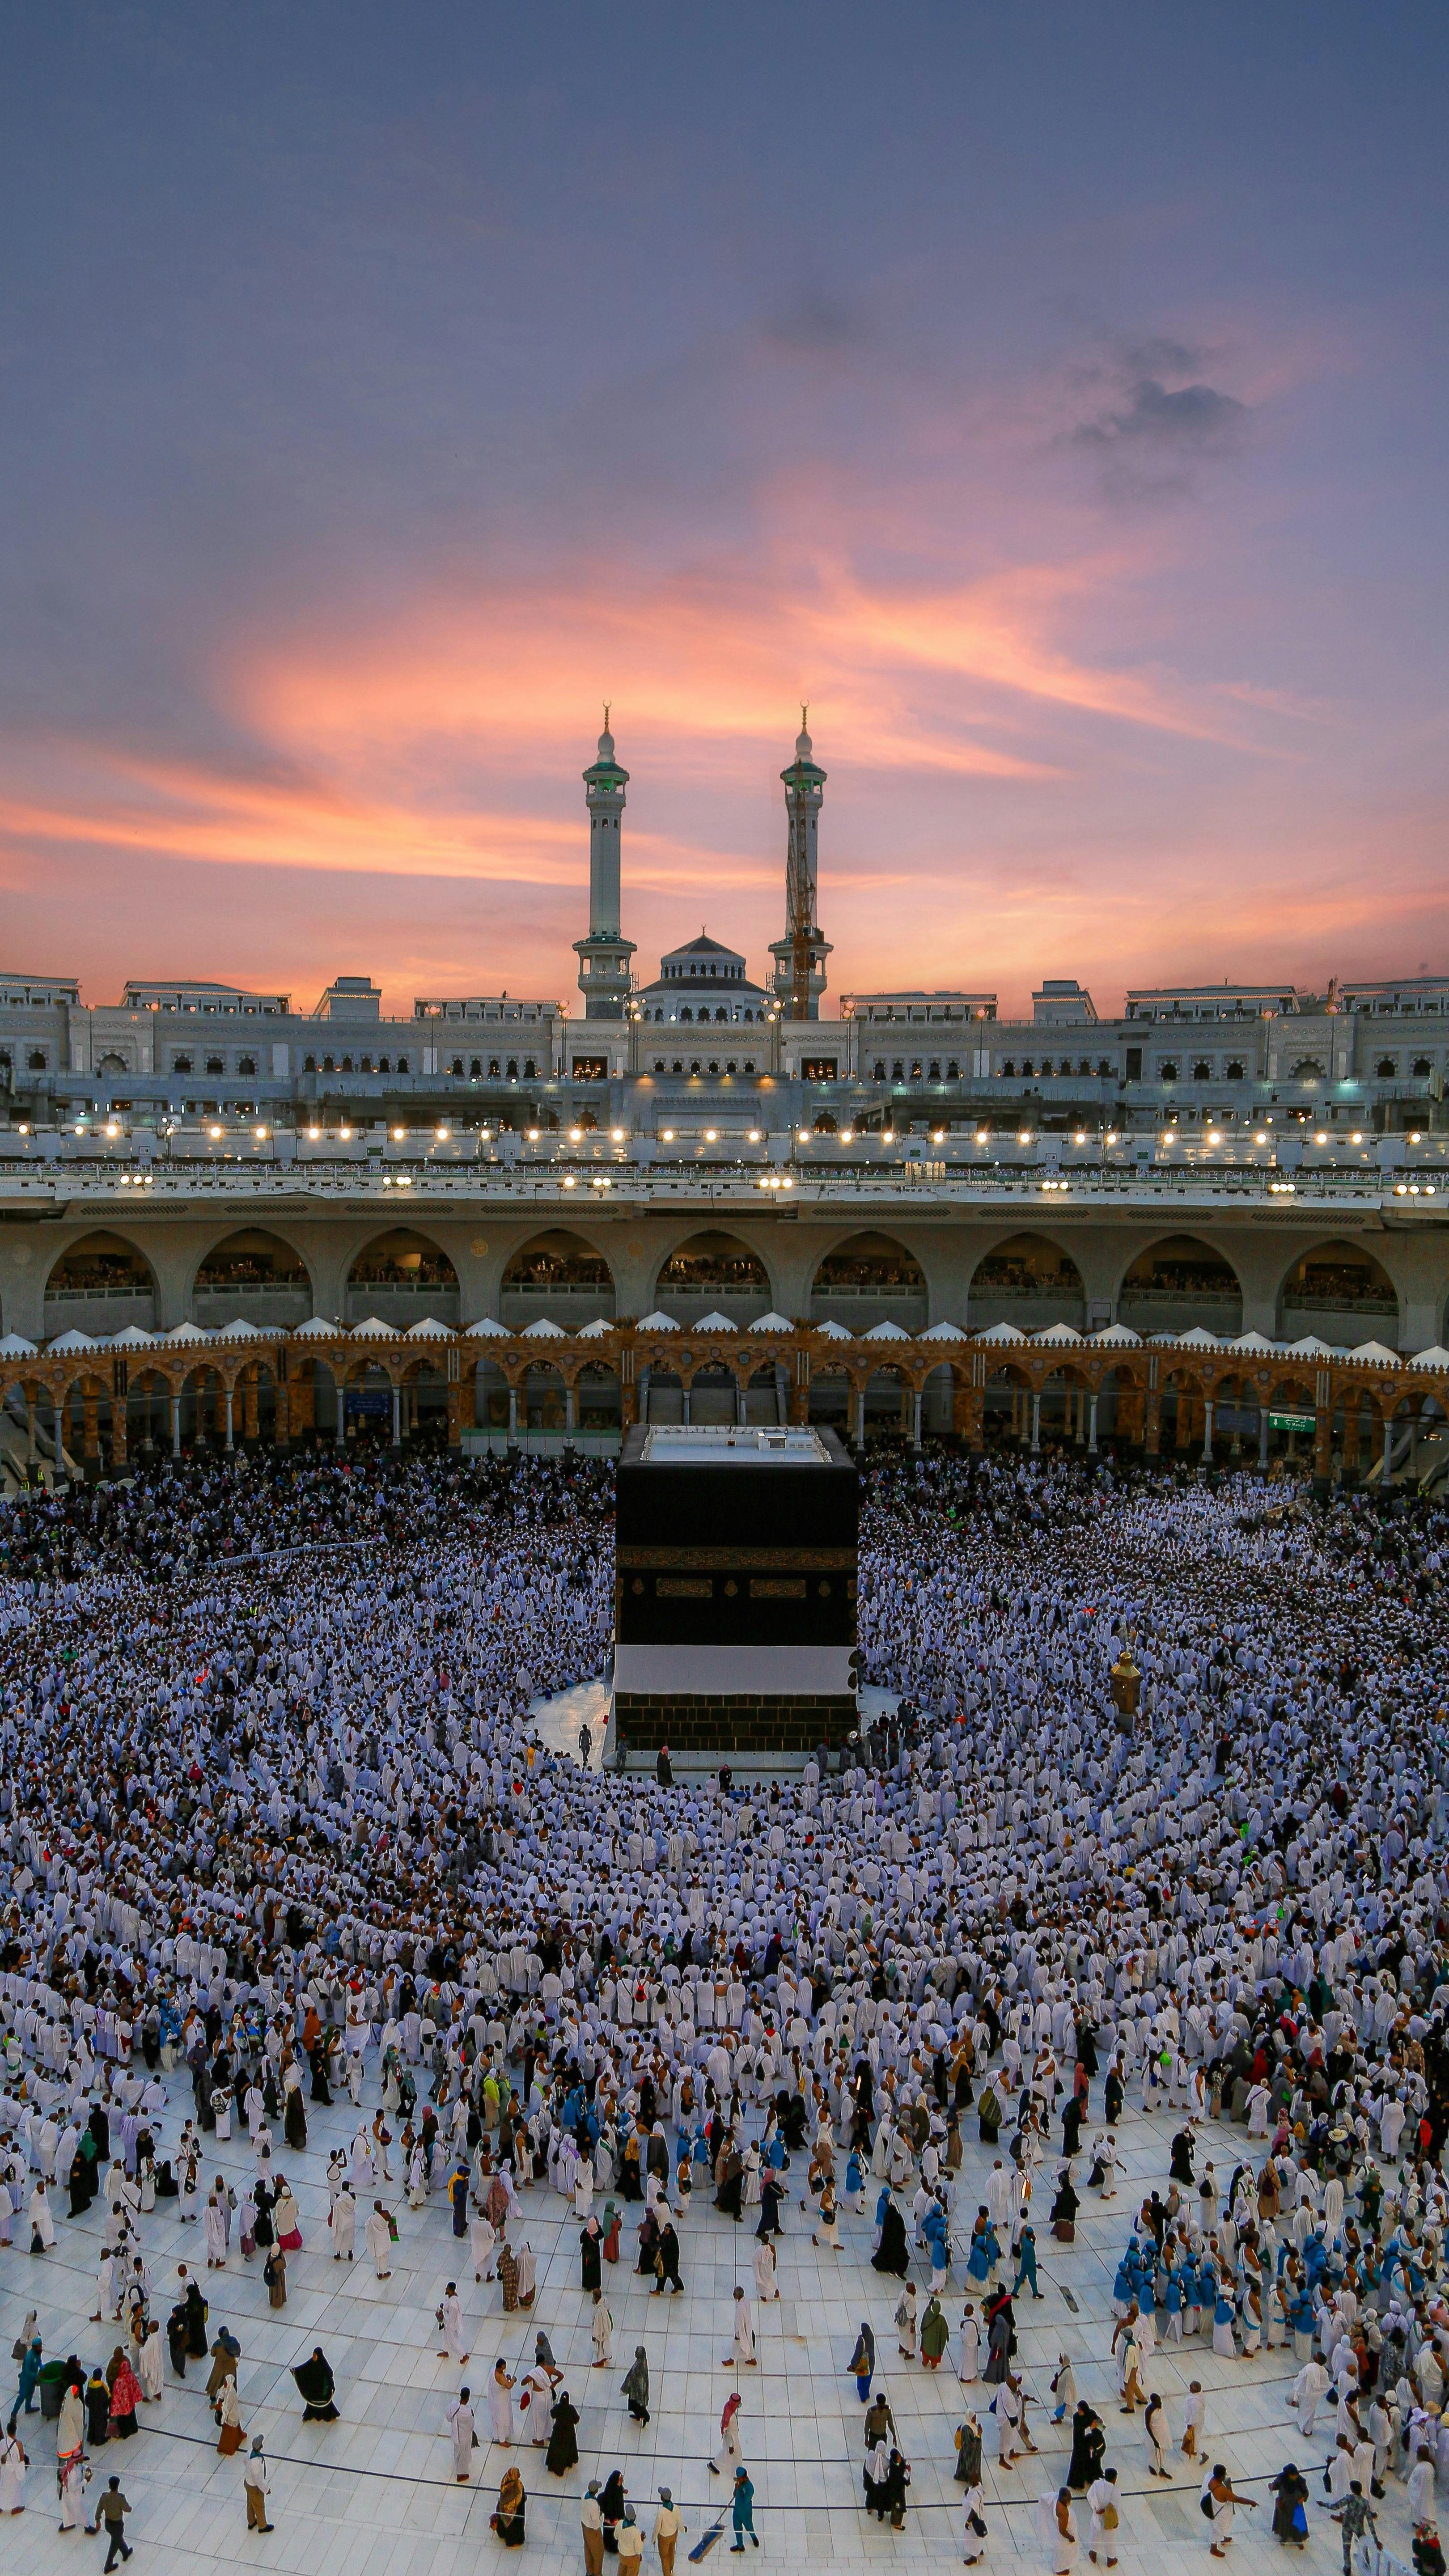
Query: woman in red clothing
{"points": [[125, 2390]]}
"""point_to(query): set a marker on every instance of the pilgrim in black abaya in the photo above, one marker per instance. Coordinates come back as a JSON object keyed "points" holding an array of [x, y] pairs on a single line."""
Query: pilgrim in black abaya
{"points": [[892, 2254], [316, 2385]]}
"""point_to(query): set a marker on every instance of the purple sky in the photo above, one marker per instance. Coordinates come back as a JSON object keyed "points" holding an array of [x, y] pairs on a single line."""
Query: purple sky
{"points": [[1055, 397]]}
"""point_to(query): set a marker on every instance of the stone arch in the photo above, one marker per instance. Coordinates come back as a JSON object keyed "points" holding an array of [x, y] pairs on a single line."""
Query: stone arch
{"points": [[1178, 1282], [1338, 1290], [256, 1274], [1029, 1280], [401, 1275], [869, 1278], [831, 1396], [712, 1269], [543, 1397], [559, 1277], [99, 1284], [599, 1396], [884, 1397]]}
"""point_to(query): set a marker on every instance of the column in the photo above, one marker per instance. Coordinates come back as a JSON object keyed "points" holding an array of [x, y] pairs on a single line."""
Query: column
{"points": [[860, 1417], [175, 1426], [1350, 1437], [1263, 1431], [571, 1406], [57, 1431], [90, 1434], [916, 1418], [687, 1415], [455, 1416], [1035, 1421], [282, 1416], [1323, 1444], [252, 1405], [1151, 1422], [739, 1401], [1207, 1431], [340, 1392], [229, 1417], [396, 1417], [643, 1397], [31, 1450], [512, 1412], [120, 1445], [1092, 1426]]}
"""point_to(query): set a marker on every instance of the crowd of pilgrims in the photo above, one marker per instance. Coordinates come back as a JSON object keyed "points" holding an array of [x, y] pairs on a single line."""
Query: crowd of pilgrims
{"points": [[273, 1813]]}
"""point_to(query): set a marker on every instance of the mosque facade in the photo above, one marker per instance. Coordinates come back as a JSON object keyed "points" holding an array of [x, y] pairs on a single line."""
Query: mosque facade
{"points": [[1218, 1160]]}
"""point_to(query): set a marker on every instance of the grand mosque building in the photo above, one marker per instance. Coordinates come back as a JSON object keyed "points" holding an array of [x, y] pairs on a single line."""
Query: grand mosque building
{"points": [[1218, 1217]]}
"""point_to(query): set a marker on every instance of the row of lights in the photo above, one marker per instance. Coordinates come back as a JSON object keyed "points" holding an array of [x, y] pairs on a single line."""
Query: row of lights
{"points": [[1411, 1190], [776, 1181]]}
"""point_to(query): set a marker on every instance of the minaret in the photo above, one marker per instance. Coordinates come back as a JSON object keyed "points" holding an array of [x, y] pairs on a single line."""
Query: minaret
{"points": [[606, 978], [800, 956]]}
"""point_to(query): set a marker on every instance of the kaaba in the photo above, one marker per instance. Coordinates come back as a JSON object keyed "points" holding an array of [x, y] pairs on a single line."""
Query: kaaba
{"points": [[734, 1602]]}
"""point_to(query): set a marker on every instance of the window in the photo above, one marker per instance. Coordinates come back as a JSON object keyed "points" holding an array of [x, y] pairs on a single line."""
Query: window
{"points": [[327, 1064], [1008, 1068], [246, 1064], [1105, 1069], [817, 1068], [1422, 1067], [953, 1071], [1167, 1072], [513, 1068], [382, 1065], [402, 1064], [731, 1067], [659, 1064], [181, 1064], [457, 1065], [309, 1067], [749, 1066], [476, 1068], [214, 1064], [37, 1060], [1235, 1071], [1026, 1066], [880, 1071], [1134, 1064], [591, 1068], [936, 1069], [686, 1013], [1202, 1071], [529, 1074], [1386, 1068]]}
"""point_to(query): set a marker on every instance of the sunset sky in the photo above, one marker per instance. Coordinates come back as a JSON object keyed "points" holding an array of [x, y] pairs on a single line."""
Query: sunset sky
{"points": [[1053, 396]]}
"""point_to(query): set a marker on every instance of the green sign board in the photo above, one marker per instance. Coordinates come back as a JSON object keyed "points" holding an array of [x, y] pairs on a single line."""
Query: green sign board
{"points": [[1291, 1422]]}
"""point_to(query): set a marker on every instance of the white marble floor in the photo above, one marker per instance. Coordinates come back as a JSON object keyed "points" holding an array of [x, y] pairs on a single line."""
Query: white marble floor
{"points": [[375, 2492]]}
